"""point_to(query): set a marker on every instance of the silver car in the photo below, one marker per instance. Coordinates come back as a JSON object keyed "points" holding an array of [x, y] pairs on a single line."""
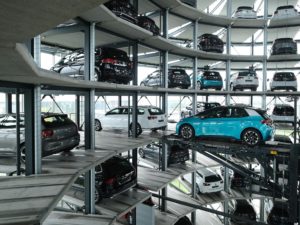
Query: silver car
{"points": [[244, 80], [245, 12], [285, 11], [284, 81], [59, 133]]}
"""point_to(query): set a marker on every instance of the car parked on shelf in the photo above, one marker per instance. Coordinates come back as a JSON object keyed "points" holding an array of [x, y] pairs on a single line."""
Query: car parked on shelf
{"points": [[210, 43], [279, 214], [149, 117], [251, 126], [201, 106], [284, 46], [244, 80], [284, 81], [175, 153], [59, 134], [123, 9], [113, 176], [209, 79], [148, 24], [283, 113], [236, 180], [285, 11], [243, 209], [207, 181], [245, 12], [176, 78], [112, 65]]}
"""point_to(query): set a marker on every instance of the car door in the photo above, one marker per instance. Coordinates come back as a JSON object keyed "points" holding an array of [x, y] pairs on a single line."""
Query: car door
{"points": [[73, 66], [209, 123], [112, 119]]}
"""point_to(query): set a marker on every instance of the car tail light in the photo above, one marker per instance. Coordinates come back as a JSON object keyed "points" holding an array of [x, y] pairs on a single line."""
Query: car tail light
{"points": [[221, 181], [109, 60], [152, 117], [110, 181], [47, 133], [268, 122], [206, 184]]}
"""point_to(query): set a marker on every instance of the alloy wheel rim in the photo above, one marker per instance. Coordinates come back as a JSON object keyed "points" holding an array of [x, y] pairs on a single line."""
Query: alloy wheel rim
{"points": [[251, 137], [186, 132], [97, 125], [23, 155]]}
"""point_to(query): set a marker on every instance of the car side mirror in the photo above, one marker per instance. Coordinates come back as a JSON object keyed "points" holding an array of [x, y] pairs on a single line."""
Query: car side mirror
{"points": [[268, 79]]}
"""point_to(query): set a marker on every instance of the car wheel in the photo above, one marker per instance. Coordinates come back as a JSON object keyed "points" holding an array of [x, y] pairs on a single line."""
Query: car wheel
{"points": [[97, 75], [187, 132], [251, 137], [23, 150], [138, 129], [197, 190], [219, 89], [98, 126], [199, 86], [142, 84], [141, 153], [231, 87], [253, 89], [98, 195], [182, 115]]}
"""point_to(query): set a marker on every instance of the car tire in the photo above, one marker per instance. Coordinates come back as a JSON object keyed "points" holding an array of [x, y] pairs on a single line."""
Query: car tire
{"points": [[198, 190], [139, 129], [187, 132], [98, 195], [142, 84], [199, 86], [23, 151], [97, 75], [231, 87], [254, 89], [219, 89], [142, 153], [251, 137], [98, 126]]}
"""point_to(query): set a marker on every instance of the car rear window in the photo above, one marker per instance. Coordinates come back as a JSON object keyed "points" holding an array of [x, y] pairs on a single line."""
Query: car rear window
{"points": [[263, 114], [283, 111], [177, 72], [213, 178], [247, 73], [116, 166], [245, 8], [114, 54], [155, 111], [284, 75], [54, 120]]}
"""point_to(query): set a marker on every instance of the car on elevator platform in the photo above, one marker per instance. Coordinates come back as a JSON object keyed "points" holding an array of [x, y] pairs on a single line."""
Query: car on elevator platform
{"points": [[210, 43], [243, 209], [249, 125], [148, 24], [284, 81], [123, 9], [279, 214], [209, 80], [285, 11], [283, 46], [283, 113], [245, 12], [244, 80]]}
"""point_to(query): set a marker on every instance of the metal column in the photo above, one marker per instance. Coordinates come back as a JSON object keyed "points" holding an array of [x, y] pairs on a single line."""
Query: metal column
{"points": [[265, 44], [8, 102], [228, 63], [89, 116]]}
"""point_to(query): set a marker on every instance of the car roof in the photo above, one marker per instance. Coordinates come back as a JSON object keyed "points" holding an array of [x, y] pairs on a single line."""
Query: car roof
{"points": [[206, 171], [283, 105]]}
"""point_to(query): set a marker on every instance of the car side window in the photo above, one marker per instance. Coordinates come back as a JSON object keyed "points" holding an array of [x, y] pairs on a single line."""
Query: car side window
{"points": [[238, 112], [219, 113], [114, 112]]}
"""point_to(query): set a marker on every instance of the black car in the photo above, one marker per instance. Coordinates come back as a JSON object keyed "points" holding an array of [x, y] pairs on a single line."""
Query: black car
{"points": [[279, 214], [236, 180], [284, 46], [183, 221], [123, 9], [210, 43], [176, 78], [175, 153], [243, 209], [148, 24], [111, 65], [112, 176]]}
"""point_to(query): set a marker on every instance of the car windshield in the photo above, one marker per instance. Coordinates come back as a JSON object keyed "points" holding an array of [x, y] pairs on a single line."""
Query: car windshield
{"points": [[54, 120], [213, 178], [116, 166], [284, 75], [245, 8]]}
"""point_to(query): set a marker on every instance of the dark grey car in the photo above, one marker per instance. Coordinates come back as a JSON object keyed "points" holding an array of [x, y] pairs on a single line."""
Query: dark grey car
{"points": [[176, 78], [59, 133]]}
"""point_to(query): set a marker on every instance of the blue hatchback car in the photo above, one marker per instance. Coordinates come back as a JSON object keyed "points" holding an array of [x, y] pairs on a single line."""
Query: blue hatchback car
{"points": [[210, 79], [252, 126]]}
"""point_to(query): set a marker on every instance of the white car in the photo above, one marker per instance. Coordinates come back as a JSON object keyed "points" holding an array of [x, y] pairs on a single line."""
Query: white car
{"points": [[149, 117], [284, 81], [283, 113], [245, 12], [207, 181], [244, 80], [285, 11]]}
